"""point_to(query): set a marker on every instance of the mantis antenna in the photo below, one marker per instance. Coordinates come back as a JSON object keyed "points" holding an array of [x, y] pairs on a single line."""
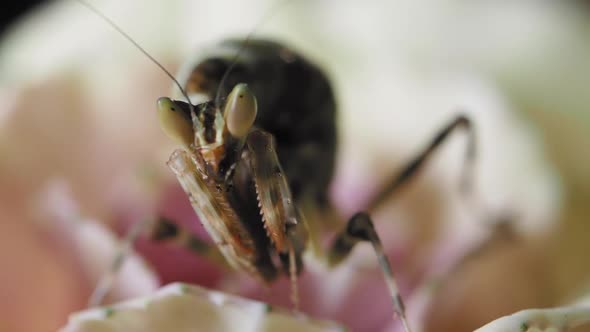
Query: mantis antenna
{"points": [[269, 13], [141, 49]]}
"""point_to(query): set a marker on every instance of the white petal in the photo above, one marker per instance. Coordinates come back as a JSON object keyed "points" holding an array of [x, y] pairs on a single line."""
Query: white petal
{"points": [[181, 307]]}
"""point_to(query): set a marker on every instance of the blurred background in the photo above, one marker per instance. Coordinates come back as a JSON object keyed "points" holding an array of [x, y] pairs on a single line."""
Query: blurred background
{"points": [[79, 142]]}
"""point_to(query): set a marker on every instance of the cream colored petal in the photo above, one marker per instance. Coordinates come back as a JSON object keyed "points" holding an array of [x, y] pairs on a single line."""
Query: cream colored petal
{"points": [[95, 245], [181, 307]]}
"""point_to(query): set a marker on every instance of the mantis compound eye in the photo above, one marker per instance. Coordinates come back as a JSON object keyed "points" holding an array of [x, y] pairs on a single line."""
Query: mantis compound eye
{"points": [[174, 124], [240, 110]]}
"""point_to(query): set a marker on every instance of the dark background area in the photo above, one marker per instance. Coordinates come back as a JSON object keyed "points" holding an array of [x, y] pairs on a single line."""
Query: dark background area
{"points": [[11, 13]]}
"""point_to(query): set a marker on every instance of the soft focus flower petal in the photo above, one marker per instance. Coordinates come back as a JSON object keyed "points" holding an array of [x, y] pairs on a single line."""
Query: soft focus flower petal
{"points": [[95, 246], [573, 317], [35, 279], [84, 115], [181, 307]]}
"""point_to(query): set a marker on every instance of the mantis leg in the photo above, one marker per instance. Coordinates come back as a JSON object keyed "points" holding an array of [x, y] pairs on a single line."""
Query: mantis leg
{"points": [[106, 280], [360, 228], [166, 231], [159, 230], [282, 220], [409, 172]]}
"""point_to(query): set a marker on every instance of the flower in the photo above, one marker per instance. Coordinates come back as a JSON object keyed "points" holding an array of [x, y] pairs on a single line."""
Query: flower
{"points": [[79, 141]]}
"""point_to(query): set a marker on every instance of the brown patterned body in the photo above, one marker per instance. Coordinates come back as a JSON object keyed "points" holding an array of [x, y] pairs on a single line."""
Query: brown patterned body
{"points": [[245, 189], [295, 104]]}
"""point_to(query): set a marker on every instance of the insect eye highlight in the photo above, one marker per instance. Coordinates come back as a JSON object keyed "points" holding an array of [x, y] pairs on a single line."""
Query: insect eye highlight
{"points": [[240, 110], [173, 123]]}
